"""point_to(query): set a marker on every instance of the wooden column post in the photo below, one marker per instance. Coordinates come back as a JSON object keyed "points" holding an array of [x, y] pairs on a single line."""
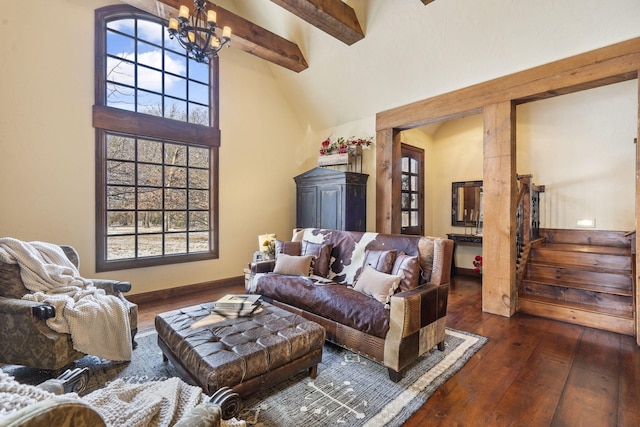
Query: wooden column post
{"points": [[637, 222], [388, 173], [500, 193]]}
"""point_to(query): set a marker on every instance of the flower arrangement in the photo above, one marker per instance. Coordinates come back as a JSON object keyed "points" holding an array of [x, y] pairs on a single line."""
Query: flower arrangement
{"points": [[343, 145], [267, 244], [477, 263]]}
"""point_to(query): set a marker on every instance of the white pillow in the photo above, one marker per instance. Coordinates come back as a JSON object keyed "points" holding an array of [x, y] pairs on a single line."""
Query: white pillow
{"points": [[376, 284], [293, 265]]}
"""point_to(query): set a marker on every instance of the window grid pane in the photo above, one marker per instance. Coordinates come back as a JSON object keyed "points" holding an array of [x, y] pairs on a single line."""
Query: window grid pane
{"points": [[169, 198], [146, 59]]}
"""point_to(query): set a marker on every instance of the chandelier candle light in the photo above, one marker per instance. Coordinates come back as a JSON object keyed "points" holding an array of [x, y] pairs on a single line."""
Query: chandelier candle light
{"points": [[196, 31]]}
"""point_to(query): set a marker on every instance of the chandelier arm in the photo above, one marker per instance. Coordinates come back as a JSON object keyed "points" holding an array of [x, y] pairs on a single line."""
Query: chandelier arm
{"points": [[192, 27]]}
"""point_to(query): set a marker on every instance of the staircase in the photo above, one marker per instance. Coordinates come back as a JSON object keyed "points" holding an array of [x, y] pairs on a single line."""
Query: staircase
{"points": [[580, 277]]}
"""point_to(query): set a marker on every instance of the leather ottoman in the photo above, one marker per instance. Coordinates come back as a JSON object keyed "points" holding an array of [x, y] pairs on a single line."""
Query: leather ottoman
{"points": [[247, 354]]}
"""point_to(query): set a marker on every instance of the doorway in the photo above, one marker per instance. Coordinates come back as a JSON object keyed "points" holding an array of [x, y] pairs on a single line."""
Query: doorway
{"points": [[412, 190]]}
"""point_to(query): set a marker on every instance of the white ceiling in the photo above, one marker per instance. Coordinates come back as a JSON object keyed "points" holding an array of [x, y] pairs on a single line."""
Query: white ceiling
{"points": [[412, 51]]}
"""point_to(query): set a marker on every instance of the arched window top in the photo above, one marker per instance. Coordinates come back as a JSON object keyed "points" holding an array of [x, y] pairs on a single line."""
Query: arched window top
{"points": [[147, 72]]}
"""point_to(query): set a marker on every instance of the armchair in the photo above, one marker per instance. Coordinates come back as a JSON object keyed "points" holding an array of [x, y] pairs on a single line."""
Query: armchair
{"points": [[26, 338], [47, 405]]}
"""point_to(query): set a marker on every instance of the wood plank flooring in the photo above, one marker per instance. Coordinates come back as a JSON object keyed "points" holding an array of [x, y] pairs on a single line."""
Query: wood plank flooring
{"points": [[532, 371]]}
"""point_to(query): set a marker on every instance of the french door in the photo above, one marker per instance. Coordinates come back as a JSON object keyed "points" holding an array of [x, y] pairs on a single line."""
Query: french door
{"points": [[412, 190]]}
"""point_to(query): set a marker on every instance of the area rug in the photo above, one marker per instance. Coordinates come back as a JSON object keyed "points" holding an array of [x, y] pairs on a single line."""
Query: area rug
{"points": [[349, 389]]}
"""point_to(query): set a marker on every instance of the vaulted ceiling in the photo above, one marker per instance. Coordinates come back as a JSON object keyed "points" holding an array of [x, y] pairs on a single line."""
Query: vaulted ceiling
{"points": [[334, 17], [341, 62]]}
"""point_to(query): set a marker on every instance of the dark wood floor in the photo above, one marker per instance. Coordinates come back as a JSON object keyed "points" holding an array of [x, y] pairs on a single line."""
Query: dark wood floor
{"points": [[532, 371]]}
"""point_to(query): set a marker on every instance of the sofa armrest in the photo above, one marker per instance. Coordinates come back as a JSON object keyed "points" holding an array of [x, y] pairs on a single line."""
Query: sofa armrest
{"points": [[26, 309], [58, 410], [112, 287], [442, 259], [262, 266], [416, 324]]}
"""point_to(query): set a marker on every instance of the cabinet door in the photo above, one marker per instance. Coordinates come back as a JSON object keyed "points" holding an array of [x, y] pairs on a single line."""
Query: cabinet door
{"points": [[306, 216], [330, 207], [355, 210]]}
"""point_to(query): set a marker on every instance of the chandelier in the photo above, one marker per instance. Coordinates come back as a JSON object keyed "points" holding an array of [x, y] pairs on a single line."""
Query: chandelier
{"points": [[196, 32]]}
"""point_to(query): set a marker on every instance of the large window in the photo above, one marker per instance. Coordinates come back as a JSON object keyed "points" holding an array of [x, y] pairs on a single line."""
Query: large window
{"points": [[157, 144]]}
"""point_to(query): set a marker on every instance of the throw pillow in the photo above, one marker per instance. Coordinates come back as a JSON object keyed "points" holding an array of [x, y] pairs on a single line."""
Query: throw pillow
{"points": [[321, 253], [376, 284], [292, 265], [289, 248], [409, 267], [379, 260]]}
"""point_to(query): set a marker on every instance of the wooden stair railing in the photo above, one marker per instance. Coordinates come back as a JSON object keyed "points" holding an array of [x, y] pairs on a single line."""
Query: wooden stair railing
{"points": [[527, 222]]}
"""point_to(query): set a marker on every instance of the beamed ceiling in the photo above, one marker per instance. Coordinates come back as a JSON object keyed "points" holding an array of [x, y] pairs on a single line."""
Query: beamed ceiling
{"points": [[334, 17]]}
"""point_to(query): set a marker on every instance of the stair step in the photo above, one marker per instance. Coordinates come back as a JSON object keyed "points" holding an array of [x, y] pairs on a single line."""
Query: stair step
{"points": [[594, 300], [592, 249], [605, 319], [554, 273], [586, 237], [577, 286], [593, 261]]}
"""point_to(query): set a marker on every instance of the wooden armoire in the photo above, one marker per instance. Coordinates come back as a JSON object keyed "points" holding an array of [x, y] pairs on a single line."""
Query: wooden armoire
{"points": [[328, 198]]}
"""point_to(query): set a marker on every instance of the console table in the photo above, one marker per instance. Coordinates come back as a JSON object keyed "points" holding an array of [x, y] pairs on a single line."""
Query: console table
{"points": [[465, 239]]}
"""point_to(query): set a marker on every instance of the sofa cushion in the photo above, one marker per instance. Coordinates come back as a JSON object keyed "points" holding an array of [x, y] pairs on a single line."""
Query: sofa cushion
{"points": [[377, 284], [339, 303], [293, 265], [381, 261], [321, 253], [289, 248], [409, 268]]}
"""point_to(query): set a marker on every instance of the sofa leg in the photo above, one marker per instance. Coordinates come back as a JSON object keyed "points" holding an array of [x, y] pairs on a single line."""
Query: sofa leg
{"points": [[313, 371], [441, 345], [395, 376]]}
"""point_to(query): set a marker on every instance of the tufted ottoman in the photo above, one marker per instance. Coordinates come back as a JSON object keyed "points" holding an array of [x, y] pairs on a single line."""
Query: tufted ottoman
{"points": [[246, 353]]}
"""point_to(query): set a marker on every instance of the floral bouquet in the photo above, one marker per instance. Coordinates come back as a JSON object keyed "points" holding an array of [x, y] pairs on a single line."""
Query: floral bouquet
{"points": [[477, 263], [342, 145]]}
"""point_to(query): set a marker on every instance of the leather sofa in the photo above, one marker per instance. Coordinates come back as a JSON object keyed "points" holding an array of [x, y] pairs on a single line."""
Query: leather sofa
{"points": [[392, 330]]}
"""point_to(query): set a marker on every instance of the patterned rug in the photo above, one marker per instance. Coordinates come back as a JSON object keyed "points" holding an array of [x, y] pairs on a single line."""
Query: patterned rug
{"points": [[349, 389]]}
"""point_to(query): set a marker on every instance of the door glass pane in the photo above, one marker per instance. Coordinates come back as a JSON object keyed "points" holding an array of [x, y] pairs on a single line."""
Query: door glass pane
{"points": [[414, 218], [414, 166]]}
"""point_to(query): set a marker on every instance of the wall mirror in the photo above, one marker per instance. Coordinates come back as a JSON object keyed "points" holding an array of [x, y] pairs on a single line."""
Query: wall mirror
{"points": [[466, 204]]}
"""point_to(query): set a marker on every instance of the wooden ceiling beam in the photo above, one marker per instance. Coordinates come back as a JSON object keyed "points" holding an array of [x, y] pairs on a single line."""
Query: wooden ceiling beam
{"points": [[334, 17], [245, 35], [426, 2]]}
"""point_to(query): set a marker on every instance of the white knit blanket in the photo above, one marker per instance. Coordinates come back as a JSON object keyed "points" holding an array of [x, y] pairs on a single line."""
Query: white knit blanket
{"points": [[98, 323], [156, 403]]}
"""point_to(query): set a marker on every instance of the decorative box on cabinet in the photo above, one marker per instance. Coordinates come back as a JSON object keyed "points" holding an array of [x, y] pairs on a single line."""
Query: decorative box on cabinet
{"points": [[327, 198]]}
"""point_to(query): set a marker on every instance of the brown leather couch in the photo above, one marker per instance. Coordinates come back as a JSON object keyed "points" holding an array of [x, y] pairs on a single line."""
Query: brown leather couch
{"points": [[393, 334]]}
